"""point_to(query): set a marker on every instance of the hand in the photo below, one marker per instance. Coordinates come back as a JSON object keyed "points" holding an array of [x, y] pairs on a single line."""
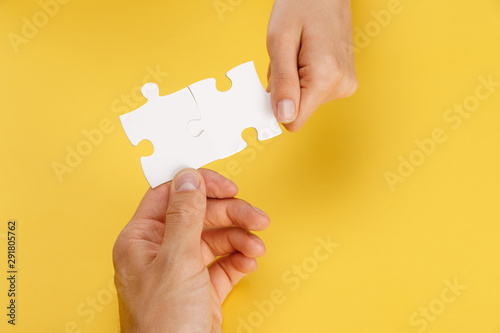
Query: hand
{"points": [[161, 256], [312, 60]]}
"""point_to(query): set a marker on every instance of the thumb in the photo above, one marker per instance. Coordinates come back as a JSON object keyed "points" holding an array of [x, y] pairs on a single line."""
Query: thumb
{"points": [[185, 214], [284, 81]]}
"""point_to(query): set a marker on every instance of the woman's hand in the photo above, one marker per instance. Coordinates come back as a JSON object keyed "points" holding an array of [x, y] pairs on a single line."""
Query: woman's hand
{"points": [[310, 47]]}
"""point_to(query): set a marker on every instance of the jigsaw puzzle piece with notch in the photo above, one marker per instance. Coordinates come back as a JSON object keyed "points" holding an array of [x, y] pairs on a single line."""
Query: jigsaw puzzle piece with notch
{"points": [[224, 115], [163, 121]]}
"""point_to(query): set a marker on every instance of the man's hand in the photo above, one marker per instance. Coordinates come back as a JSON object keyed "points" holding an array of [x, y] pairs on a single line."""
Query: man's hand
{"points": [[185, 248], [310, 47]]}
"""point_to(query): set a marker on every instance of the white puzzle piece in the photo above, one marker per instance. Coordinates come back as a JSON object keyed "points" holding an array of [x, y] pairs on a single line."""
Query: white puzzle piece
{"points": [[163, 121], [189, 131], [226, 114]]}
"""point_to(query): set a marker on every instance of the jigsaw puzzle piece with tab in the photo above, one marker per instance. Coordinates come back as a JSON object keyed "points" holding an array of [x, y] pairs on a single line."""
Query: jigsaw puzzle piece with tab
{"points": [[163, 121], [224, 115]]}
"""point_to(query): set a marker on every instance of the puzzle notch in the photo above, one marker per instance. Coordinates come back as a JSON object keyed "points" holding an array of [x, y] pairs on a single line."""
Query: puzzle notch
{"points": [[163, 121], [224, 115]]}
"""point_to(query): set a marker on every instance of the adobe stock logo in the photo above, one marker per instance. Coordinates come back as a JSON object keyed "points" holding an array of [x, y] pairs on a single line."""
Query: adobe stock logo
{"points": [[362, 37], [31, 26], [89, 309], [454, 117], [224, 6], [421, 319], [293, 278]]}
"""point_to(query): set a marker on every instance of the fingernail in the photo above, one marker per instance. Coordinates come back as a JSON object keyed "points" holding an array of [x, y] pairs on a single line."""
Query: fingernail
{"points": [[252, 236], [286, 111], [187, 181], [259, 211]]}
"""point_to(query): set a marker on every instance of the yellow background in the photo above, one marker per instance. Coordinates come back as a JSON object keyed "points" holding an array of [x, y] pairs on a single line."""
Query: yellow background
{"points": [[396, 248]]}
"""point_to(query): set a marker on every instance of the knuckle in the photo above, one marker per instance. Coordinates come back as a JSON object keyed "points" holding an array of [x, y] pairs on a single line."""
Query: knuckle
{"points": [[278, 38], [116, 251], [328, 75], [354, 87], [183, 210], [350, 87], [272, 37], [119, 250], [338, 77], [333, 73], [332, 63], [285, 79]]}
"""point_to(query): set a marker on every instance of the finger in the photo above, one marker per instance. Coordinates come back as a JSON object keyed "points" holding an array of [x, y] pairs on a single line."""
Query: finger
{"points": [[283, 48], [319, 86], [227, 240], [311, 99], [218, 186], [227, 271], [319, 76], [185, 215], [154, 204], [228, 212], [325, 74], [268, 89]]}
